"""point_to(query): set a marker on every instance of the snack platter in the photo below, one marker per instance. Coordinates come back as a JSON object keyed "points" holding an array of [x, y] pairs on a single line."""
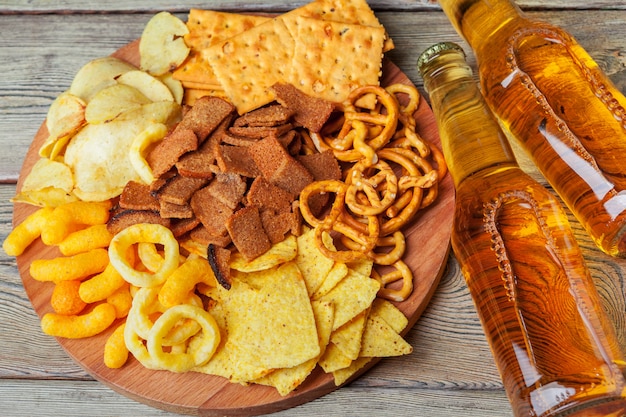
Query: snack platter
{"points": [[194, 393]]}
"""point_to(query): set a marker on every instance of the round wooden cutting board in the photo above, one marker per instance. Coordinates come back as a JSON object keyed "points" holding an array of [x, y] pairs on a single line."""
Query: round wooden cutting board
{"points": [[198, 394]]}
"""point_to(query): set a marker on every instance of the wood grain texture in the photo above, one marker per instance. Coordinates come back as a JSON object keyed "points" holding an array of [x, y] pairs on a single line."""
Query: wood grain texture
{"points": [[450, 372]]}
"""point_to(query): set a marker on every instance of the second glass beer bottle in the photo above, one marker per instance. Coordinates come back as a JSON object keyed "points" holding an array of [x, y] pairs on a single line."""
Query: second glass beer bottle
{"points": [[555, 100], [556, 351]]}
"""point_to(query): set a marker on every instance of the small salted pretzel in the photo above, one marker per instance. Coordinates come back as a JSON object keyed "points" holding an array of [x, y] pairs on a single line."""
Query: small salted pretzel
{"points": [[361, 182], [353, 141], [407, 135], [402, 272]]}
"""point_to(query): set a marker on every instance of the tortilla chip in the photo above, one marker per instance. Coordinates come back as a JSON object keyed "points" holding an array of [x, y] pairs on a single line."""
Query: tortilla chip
{"points": [[348, 337], [278, 254], [390, 313], [334, 359], [334, 276], [380, 340], [287, 379], [314, 265], [351, 296], [343, 374]]}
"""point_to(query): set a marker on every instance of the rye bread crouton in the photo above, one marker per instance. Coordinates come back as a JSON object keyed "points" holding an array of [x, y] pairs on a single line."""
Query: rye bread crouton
{"points": [[236, 159], [179, 189], [181, 226], [202, 235], [228, 188], [205, 116], [271, 115], [246, 231], [126, 218], [278, 223], [137, 196], [310, 112], [167, 152], [268, 196], [212, 213], [219, 259], [278, 167], [175, 211], [260, 132]]}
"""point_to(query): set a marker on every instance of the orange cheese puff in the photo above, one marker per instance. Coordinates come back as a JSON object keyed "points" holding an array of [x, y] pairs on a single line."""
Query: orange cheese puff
{"points": [[65, 299], [121, 300], [65, 268], [79, 326], [96, 236], [67, 217], [115, 350], [26, 232], [101, 286], [181, 283]]}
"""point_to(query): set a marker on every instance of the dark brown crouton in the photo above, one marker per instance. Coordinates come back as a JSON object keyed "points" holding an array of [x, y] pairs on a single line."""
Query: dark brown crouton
{"points": [[246, 231], [310, 112], [260, 132], [212, 213], [197, 165], [202, 235], [279, 167], [219, 259], [137, 196], [205, 116], [236, 159], [323, 165], [175, 211], [126, 218], [266, 195], [181, 226], [167, 152], [179, 189], [278, 224], [272, 115], [228, 188]]}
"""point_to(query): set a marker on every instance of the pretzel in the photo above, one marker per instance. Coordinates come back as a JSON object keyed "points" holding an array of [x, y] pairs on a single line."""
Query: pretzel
{"points": [[401, 272], [358, 182]]}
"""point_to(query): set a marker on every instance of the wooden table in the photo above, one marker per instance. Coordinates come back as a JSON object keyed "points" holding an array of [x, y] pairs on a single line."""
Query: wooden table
{"points": [[451, 371]]}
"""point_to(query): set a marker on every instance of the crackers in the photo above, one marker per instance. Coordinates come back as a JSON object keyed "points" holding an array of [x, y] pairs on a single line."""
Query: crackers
{"points": [[326, 48]]}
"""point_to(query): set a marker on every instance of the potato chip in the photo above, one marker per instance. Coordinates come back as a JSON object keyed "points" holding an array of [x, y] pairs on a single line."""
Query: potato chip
{"points": [[99, 154], [65, 117], [162, 47], [278, 254], [96, 75], [48, 184], [151, 87], [112, 101], [175, 86]]}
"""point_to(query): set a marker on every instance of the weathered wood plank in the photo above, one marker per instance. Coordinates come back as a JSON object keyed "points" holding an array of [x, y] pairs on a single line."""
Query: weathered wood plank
{"points": [[77, 6], [72, 399]]}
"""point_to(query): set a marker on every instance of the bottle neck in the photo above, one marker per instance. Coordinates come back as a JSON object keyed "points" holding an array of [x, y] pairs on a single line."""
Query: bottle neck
{"points": [[471, 138], [477, 20]]}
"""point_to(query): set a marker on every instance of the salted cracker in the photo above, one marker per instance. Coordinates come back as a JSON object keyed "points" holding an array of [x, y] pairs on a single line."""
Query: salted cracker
{"points": [[346, 11], [248, 64], [331, 59], [206, 28]]}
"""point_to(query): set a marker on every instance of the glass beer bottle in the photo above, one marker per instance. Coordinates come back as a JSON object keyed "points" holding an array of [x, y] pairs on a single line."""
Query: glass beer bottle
{"points": [[556, 351], [552, 97]]}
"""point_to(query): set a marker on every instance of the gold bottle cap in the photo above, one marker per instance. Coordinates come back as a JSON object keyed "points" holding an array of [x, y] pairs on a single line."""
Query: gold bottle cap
{"points": [[435, 50]]}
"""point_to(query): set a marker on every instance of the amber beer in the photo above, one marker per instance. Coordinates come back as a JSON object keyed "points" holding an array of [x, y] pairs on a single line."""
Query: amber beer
{"points": [[555, 349], [554, 99]]}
